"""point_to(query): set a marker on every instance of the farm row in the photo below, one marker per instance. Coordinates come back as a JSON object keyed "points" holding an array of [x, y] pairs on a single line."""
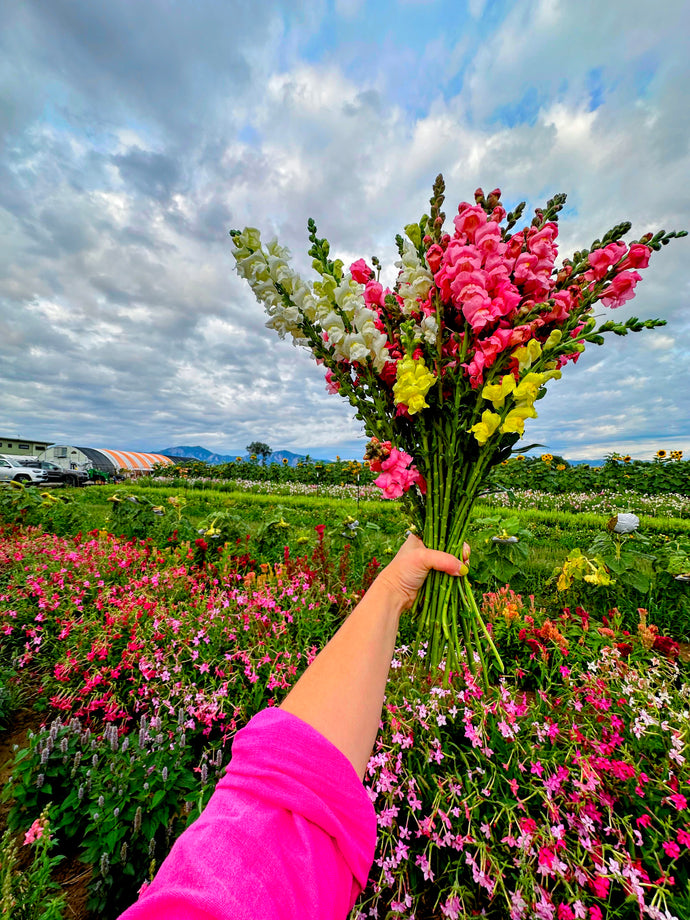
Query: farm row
{"points": [[145, 625]]}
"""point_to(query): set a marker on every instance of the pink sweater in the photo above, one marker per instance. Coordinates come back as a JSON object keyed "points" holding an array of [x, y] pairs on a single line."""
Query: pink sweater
{"points": [[289, 833]]}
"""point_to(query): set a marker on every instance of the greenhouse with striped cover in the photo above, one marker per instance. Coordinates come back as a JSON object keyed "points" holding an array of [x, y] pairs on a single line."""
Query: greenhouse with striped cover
{"points": [[105, 459]]}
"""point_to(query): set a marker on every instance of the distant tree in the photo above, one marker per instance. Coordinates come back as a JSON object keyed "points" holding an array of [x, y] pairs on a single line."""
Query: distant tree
{"points": [[260, 449]]}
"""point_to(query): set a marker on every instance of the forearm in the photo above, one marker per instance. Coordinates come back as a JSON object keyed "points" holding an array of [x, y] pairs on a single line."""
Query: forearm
{"points": [[341, 693]]}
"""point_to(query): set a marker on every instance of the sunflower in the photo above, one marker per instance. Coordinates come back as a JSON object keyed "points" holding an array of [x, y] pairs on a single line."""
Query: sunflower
{"points": [[660, 454], [547, 458]]}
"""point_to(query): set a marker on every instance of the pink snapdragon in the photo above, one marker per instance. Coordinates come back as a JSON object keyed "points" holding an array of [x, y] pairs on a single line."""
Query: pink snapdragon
{"points": [[398, 474], [638, 257], [470, 218], [360, 271], [601, 260], [621, 289], [35, 832]]}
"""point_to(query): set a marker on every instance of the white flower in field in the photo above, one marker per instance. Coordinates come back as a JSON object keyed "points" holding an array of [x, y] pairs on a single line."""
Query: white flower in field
{"points": [[624, 523]]}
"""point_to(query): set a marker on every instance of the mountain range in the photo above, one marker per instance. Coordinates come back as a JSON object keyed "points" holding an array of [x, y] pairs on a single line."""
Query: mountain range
{"points": [[207, 456]]}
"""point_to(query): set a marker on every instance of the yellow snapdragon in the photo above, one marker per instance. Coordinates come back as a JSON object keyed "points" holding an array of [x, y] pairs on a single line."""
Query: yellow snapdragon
{"points": [[413, 382], [514, 422], [527, 354], [497, 392], [488, 425]]}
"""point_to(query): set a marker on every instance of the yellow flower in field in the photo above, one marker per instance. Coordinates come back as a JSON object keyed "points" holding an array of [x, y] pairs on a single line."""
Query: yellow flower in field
{"points": [[547, 458], [627, 458], [413, 382], [561, 467], [527, 354], [488, 425], [676, 455], [660, 454], [514, 422], [497, 392]]}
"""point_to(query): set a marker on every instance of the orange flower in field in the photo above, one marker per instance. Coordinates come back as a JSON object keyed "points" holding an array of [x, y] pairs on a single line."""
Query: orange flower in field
{"points": [[549, 631]]}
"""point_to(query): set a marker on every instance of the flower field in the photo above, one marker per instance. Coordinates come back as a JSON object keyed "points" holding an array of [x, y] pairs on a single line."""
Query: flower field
{"points": [[560, 792]]}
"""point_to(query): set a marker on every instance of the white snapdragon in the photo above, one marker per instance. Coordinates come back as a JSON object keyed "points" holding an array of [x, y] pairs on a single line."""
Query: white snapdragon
{"points": [[427, 330], [329, 304], [334, 328], [414, 280], [349, 295]]}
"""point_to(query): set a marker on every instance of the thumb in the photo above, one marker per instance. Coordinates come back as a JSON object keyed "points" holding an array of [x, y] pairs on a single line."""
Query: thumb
{"points": [[445, 562]]}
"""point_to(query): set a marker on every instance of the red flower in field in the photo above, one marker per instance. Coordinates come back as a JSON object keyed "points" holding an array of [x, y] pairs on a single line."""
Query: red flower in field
{"points": [[666, 646]]}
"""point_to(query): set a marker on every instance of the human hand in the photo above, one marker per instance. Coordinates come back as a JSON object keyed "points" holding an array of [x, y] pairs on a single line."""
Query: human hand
{"points": [[405, 574]]}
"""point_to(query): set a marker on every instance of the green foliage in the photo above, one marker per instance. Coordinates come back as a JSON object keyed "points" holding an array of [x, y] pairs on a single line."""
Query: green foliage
{"points": [[663, 475], [503, 549], [307, 471], [119, 801], [627, 557], [28, 892]]}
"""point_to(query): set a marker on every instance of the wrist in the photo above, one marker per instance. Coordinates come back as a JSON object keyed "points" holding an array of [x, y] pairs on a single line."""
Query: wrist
{"points": [[391, 598]]}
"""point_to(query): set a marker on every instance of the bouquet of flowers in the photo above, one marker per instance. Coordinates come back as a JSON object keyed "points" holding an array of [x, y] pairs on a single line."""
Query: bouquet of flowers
{"points": [[445, 368]]}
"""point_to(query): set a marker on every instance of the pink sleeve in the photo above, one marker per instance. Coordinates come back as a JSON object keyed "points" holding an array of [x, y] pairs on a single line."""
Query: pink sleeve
{"points": [[289, 832]]}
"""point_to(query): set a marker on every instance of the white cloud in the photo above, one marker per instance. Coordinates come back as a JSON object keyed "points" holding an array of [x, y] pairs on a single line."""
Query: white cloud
{"points": [[114, 218]]}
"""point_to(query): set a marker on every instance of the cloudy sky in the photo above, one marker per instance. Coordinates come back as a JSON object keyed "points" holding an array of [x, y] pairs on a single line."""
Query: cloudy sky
{"points": [[134, 135]]}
